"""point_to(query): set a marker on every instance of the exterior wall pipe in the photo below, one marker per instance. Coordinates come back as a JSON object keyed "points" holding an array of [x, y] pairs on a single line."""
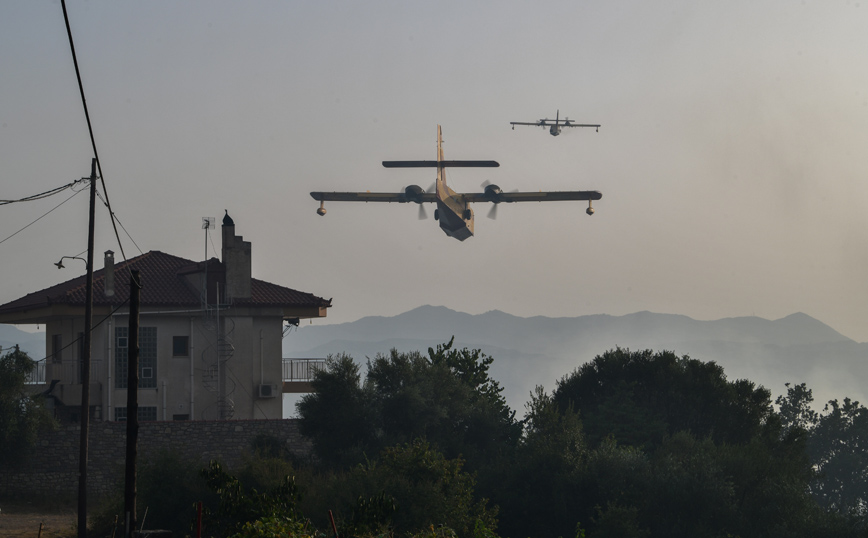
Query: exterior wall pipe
{"points": [[108, 369], [192, 373]]}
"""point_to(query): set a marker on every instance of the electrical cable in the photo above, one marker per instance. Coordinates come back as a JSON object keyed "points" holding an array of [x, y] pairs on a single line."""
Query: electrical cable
{"points": [[89, 126], [42, 195], [34, 222], [100, 322], [105, 203]]}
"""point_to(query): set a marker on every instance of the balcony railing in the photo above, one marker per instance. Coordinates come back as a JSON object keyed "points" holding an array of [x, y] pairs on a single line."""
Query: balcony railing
{"points": [[37, 375], [301, 369]]}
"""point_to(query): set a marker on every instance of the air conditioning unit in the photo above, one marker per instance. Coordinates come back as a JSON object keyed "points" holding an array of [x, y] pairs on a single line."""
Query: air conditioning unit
{"points": [[268, 391]]}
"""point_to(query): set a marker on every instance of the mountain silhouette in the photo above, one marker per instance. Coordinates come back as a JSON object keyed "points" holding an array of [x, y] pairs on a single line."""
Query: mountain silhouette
{"points": [[540, 350]]}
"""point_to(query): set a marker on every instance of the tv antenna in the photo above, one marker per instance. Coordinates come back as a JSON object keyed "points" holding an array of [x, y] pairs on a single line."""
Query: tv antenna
{"points": [[208, 223]]}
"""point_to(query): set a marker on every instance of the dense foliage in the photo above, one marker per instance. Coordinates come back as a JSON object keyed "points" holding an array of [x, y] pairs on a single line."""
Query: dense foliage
{"points": [[631, 444], [446, 398], [641, 397], [22, 414], [837, 447]]}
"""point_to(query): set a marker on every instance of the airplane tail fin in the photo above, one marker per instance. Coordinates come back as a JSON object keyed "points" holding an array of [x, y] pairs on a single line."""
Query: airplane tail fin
{"points": [[440, 164], [440, 183]]}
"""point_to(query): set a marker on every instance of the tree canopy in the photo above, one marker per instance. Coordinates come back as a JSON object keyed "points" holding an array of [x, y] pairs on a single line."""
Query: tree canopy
{"points": [[631, 444], [641, 397], [446, 398], [22, 414], [837, 448]]}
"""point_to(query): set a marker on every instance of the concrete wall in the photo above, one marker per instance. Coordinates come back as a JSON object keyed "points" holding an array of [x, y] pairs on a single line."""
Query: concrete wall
{"points": [[256, 360], [52, 469]]}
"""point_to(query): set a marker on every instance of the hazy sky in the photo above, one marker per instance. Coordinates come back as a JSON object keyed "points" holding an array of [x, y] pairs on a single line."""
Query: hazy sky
{"points": [[731, 158]]}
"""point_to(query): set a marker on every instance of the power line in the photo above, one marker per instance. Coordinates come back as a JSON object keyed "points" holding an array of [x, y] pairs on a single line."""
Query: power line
{"points": [[89, 126], [42, 195], [114, 216], [34, 222], [100, 322]]}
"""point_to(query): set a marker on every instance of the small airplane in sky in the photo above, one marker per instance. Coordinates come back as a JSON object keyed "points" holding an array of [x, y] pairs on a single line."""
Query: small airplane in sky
{"points": [[555, 128], [453, 208]]}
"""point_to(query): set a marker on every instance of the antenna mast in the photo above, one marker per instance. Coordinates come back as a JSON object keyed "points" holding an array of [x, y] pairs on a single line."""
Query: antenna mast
{"points": [[208, 223]]}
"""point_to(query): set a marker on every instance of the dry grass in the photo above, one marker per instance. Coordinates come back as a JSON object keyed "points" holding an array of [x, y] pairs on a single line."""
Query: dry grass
{"points": [[22, 520]]}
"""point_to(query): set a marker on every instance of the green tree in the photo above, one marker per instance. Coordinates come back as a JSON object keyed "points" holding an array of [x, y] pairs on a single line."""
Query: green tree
{"points": [[426, 488], [795, 408], [446, 398], [838, 447], [168, 486], [471, 367], [672, 448], [338, 416], [22, 414], [540, 488], [239, 504], [641, 397]]}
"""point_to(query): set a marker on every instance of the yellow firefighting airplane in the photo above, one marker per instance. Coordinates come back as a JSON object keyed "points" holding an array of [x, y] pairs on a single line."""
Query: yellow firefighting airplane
{"points": [[453, 208], [555, 124]]}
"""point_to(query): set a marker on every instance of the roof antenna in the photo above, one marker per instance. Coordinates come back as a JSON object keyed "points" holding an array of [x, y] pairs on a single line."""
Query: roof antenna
{"points": [[208, 223]]}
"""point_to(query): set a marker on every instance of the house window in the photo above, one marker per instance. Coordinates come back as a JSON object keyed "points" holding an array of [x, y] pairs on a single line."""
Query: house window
{"points": [[147, 357], [56, 347], [180, 346], [145, 414]]}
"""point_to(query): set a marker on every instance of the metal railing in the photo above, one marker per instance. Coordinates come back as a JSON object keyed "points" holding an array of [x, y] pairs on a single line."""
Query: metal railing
{"points": [[301, 369], [37, 375]]}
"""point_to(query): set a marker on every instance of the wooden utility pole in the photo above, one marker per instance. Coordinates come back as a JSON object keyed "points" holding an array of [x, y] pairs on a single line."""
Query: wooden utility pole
{"points": [[132, 406], [85, 364]]}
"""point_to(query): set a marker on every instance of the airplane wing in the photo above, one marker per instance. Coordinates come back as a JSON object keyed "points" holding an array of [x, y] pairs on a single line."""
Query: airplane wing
{"points": [[398, 197], [441, 164], [540, 123], [541, 196], [581, 125]]}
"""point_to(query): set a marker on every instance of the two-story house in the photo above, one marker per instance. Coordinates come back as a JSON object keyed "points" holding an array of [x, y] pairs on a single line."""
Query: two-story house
{"points": [[210, 336]]}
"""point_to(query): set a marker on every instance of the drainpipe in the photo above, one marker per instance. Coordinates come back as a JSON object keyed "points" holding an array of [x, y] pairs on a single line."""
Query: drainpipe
{"points": [[192, 375], [109, 290], [109, 359], [164, 401], [261, 365]]}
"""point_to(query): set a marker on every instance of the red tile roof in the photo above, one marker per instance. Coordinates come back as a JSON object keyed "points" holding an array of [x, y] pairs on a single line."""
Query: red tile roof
{"points": [[163, 284]]}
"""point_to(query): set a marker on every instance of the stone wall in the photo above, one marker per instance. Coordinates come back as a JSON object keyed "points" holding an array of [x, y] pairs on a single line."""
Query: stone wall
{"points": [[52, 468]]}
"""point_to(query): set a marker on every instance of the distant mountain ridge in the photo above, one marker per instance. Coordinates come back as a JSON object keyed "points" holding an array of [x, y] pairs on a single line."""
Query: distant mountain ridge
{"points": [[31, 343], [541, 350]]}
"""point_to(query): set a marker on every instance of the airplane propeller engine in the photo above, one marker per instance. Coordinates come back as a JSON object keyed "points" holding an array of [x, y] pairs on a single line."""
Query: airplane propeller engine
{"points": [[493, 194], [413, 193]]}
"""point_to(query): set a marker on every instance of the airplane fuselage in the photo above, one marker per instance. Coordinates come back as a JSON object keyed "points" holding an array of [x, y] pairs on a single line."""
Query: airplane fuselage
{"points": [[453, 212], [555, 130]]}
